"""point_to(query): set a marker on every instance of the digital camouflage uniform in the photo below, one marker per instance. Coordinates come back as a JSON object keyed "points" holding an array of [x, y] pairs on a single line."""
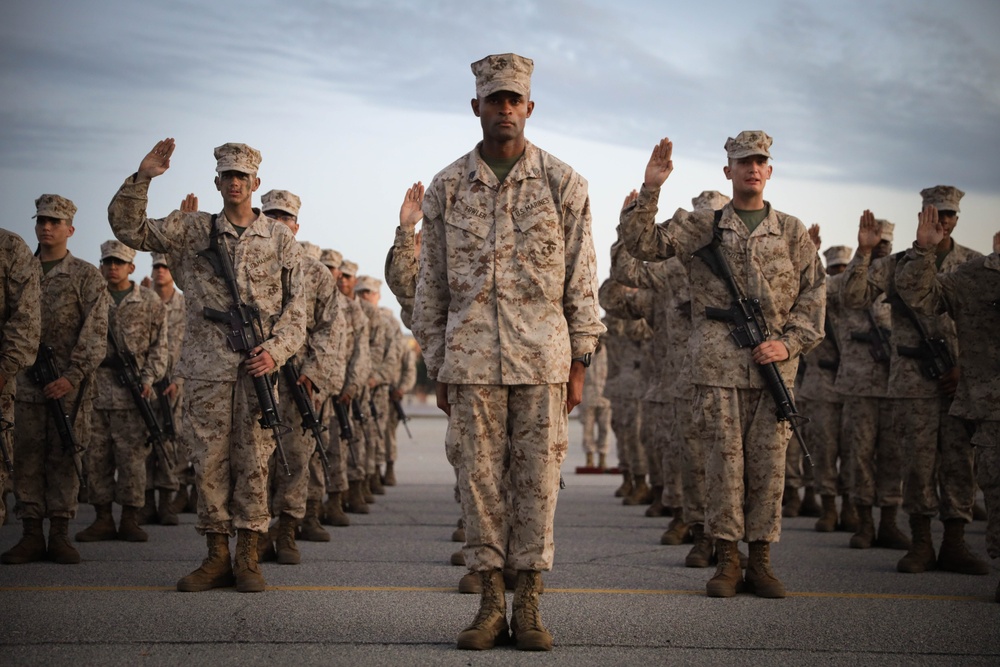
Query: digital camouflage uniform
{"points": [[401, 272], [20, 328], [506, 297], [595, 408], [378, 347], [229, 447], [387, 377], [733, 413], [625, 388], [403, 382], [156, 477]]}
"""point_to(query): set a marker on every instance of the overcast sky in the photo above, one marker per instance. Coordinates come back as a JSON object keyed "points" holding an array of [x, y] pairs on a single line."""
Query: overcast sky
{"points": [[350, 102]]}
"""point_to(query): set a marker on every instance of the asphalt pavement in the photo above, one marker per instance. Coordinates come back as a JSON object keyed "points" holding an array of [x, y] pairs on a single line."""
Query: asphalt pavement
{"points": [[382, 592]]}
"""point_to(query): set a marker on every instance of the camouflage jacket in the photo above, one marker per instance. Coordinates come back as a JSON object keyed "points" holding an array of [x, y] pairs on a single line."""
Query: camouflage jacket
{"points": [[267, 262], [408, 367], [392, 364], [777, 263], [596, 379], [822, 362], [176, 324], [507, 284], [356, 351], [866, 280], [858, 373], [140, 323], [74, 324], [971, 294], [20, 317], [401, 272], [322, 358], [627, 340]]}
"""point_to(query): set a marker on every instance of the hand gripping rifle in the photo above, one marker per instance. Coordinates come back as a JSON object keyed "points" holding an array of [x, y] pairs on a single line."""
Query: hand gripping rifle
{"points": [[931, 353], [310, 422], [362, 419], [749, 329], [166, 410], [401, 414], [246, 332], [127, 371], [43, 373]]}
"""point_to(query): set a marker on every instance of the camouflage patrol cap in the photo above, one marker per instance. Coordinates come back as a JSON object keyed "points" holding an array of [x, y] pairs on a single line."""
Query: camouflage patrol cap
{"points": [[237, 157], [942, 197], [368, 284], [331, 258], [160, 259], [747, 143], [118, 250], [886, 228], [506, 71], [311, 249], [348, 268], [837, 255], [54, 206], [709, 200], [281, 200]]}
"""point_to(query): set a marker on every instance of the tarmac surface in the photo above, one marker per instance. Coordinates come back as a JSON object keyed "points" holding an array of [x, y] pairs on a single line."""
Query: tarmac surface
{"points": [[382, 593]]}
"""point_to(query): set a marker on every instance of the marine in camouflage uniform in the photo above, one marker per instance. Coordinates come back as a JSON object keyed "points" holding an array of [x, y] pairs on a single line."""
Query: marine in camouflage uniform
{"points": [[971, 295], [506, 313], [75, 326], [402, 383], [938, 455], [120, 444], [230, 449], [773, 260], [20, 328], [321, 373], [595, 409]]}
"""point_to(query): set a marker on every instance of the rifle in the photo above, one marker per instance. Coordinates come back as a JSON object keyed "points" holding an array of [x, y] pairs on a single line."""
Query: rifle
{"points": [[166, 410], [749, 329], [127, 371], [932, 353], [309, 420], [401, 414], [374, 411], [876, 337], [362, 419], [4, 427], [246, 332], [42, 373]]}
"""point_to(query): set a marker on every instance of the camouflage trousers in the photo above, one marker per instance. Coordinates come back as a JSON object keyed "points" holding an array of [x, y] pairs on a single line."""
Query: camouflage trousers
{"points": [[669, 429], [654, 438], [230, 451], [380, 396], [744, 462], [116, 458], [626, 422], [827, 447], [7, 442], [391, 433], [876, 452], [938, 473], [368, 440], [598, 417], [290, 491], [692, 455], [156, 476], [46, 481], [336, 453], [987, 442], [519, 431]]}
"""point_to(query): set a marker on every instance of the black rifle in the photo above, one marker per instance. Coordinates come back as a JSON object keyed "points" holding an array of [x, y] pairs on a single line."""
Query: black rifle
{"points": [[362, 419], [830, 365], [932, 353], [400, 413], [127, 371], [4, 427], [877, 338], [246, 332], [749, 329], [374, 411], [43, 373], [166, 410], [310, 422]]}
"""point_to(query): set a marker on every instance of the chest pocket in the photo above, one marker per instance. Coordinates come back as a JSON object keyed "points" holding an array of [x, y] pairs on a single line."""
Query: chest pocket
{"points": [[540, 236], [467, 240], [772, 260]]}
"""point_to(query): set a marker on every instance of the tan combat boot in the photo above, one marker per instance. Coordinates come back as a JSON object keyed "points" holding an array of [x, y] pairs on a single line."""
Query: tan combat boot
{"points": [[179, 503], [216, 570], [525, 620], [810, 507], [366, 490], [103, 527], [375, 482], [677, 532], [657, 508], [602, 461], [284, 544], [470, 583], [889, 534], [458, 535], [458, 558], [128, 528], [954, 555], [148, 515], [920, 557], [728, 578], [864, 537], [827, 521], [165, 508], [246, 569], [590, 460], [639, 491], [389, 478], [489, 628], [759, 579], [333, 511], [266, 553], [31, 547], [791, 504], [849, 521], [701, 552], [625, 489], [60, 549], [355, 498], [310, 529]]}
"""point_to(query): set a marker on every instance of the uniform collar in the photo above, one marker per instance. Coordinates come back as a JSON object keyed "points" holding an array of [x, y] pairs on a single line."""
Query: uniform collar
{"points": [[527, 167], [259, 227]]}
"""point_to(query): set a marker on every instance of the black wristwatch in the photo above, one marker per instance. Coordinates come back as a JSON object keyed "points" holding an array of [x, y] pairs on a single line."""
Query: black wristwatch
{"points": [[585, 360]]}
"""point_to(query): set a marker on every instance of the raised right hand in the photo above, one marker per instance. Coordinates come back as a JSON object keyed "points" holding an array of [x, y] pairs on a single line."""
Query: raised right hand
{"points": [[869, 233], [929, 230], [157, 160], [660, 164], [190, 204], [410, 212]]}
